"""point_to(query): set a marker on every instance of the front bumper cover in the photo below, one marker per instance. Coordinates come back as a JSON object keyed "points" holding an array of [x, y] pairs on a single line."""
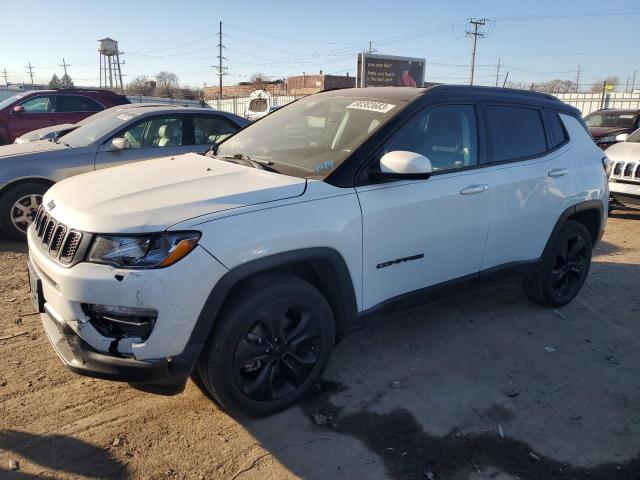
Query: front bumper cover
{"points": [[163, 376]]}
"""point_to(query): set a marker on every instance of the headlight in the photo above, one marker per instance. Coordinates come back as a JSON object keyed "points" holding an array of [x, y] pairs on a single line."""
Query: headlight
{"points": [[143, 251]]}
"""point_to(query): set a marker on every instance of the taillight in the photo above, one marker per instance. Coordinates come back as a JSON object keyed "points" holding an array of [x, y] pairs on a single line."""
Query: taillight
{"points": [[607, 165]]}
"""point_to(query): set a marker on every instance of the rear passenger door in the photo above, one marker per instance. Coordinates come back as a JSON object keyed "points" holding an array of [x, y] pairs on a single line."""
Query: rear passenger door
{"points": [[418, 233], [209, 130], [150, 137], [74, 108], [530, 165]]}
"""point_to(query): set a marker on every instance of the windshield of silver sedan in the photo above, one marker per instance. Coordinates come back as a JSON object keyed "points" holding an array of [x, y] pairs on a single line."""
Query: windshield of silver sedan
{"points": [[311, 137], [89, 133]]}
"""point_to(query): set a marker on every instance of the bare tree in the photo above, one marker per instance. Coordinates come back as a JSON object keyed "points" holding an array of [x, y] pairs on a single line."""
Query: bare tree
{"points": [[258, 77], [597, 87], [141, 85], [556, 86], [168, 82]]}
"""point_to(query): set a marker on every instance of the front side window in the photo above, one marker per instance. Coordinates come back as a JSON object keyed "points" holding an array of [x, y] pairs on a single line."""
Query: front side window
{"points": [[79, 103], [44, 104], [211, 130], [311, 137], [515, 132], [155, 132], [446, 135]]}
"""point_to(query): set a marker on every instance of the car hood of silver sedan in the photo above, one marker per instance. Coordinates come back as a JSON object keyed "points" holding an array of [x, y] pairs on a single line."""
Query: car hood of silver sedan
{"points": [[28, 148]]}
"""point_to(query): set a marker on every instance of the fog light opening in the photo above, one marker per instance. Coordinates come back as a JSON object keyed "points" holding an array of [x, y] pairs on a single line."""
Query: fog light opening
{"points": [[119, 322]]}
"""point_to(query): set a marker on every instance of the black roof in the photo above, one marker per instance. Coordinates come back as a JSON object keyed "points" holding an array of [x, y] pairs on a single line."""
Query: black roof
{"points": [[409, 94]]}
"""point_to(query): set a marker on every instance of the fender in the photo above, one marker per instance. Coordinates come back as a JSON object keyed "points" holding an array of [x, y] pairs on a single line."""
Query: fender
{"points": [[570, 212], [337, 280]]}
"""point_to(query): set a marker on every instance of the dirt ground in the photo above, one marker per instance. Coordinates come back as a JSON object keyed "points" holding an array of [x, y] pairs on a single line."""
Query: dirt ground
{"points": [[479, 385]]}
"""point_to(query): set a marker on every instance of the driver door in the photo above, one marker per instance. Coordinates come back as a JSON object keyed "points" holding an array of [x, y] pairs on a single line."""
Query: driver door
{"points": [[419, 233], [150, 137]]}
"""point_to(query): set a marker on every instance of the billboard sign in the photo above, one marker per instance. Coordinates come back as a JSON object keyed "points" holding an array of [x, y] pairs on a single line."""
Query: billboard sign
{"points": [[375, 70]]}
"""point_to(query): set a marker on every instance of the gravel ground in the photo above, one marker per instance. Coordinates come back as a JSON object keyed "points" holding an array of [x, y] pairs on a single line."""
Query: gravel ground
{"points": [[483, 384]]}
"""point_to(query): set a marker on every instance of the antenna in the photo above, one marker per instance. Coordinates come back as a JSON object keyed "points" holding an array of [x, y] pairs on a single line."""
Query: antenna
{"points": [[476, 22]]}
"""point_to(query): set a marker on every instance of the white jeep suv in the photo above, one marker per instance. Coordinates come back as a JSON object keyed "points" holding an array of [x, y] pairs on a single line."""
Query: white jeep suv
{"points": [[244, 265]]}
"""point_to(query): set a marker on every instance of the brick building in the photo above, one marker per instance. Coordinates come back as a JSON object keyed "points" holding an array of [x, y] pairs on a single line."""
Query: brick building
{"points": [[309, 84]]}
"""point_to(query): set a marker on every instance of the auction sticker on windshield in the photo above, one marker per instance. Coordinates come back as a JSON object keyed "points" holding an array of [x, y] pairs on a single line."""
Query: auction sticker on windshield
{"points": [[371, 106]]}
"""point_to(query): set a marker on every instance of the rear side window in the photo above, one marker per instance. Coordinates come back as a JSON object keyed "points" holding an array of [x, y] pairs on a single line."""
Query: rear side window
{"points": [[515, 132], [558, 134], [79, 103]]}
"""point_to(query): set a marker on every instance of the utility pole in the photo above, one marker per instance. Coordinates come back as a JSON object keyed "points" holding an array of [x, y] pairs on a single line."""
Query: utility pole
{"points": [[498, 73], [476, 22], [633, 81], [30, 71], [64, 65], [604, 90], [6, 77], [505, 79], [578, 80], [220, 58]]}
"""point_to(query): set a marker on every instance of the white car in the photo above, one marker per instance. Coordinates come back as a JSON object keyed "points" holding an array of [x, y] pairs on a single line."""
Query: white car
{"points": [[247, 263], [624, 182]]}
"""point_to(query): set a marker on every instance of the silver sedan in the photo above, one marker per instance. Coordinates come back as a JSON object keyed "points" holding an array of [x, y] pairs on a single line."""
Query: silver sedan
{"points": [[125, 135]]}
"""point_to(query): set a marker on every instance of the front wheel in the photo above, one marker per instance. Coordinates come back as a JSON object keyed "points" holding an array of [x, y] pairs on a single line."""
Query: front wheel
{"points": [[18, 208], [565, 267], [270, 344]]}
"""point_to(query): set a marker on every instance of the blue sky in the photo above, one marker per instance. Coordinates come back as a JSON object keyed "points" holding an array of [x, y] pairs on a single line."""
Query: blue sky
{"points": [[536, 41]]}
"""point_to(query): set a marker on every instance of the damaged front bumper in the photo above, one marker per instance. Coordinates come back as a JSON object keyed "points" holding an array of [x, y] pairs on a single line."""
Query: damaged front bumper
{"points": [[159, 361]]}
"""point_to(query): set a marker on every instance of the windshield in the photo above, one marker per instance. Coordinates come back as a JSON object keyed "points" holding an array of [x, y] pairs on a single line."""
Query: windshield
{"points": [[312, 136], [612, 119], [88, 133], [634, 137], [8, 101]]}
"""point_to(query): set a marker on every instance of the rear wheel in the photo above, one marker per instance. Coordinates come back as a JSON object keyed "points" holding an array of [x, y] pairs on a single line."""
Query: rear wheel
{"points": [[18, 208], [270, 343], [565, 267]]}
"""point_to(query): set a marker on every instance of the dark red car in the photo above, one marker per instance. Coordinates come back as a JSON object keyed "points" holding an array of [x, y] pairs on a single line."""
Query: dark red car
{"points": [[35, 109], [606, 125]]}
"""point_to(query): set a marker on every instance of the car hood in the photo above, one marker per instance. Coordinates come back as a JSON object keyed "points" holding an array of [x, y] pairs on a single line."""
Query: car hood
{"points": [[153, 195], [28, 148], [624, 152], [37, 134], [598, 132]]}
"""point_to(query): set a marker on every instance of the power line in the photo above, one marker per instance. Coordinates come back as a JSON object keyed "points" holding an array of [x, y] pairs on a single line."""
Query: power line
{"points": [[476, 22]]}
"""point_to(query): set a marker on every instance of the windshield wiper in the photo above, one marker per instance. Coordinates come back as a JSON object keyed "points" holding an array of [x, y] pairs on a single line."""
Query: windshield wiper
{"points": [[255, 162], [57, 140]]}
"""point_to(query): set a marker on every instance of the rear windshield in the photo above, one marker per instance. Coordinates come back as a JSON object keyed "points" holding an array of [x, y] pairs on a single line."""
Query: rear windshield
{"points": [[311, 137], [611, 119]]}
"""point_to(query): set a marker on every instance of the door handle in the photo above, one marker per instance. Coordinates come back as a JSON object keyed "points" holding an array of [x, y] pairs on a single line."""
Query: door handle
{"points": [[558, 172], [474, 189]]}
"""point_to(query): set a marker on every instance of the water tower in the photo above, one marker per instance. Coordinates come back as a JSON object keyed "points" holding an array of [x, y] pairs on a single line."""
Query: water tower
{"points": [[110, 63]]}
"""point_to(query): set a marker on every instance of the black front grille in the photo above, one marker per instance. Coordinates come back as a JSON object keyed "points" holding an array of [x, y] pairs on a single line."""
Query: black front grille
{"points": [[617, 170], [628, 169], [55, 238], [70, 247]]}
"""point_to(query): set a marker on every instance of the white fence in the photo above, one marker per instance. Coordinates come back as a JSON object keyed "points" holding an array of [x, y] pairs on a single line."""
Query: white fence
{"points": [[172, 101], [238, 105], [590, 102]]}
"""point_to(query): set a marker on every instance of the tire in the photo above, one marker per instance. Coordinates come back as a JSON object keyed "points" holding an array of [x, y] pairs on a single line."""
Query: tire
{"points": [[18, 207], [269, 345], [565, 267]]}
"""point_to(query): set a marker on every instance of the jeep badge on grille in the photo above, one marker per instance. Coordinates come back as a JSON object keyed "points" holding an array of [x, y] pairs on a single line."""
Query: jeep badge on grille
{"points": [[51, 204]]}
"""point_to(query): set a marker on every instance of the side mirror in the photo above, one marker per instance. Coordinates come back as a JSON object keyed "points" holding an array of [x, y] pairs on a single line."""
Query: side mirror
{"points": [[119, 143], [622, 137], [402, 165], [18, 109]]}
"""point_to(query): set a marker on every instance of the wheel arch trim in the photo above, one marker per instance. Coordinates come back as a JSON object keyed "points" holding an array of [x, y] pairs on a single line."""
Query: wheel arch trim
{"points": [[339, 276], [588, 205]]}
